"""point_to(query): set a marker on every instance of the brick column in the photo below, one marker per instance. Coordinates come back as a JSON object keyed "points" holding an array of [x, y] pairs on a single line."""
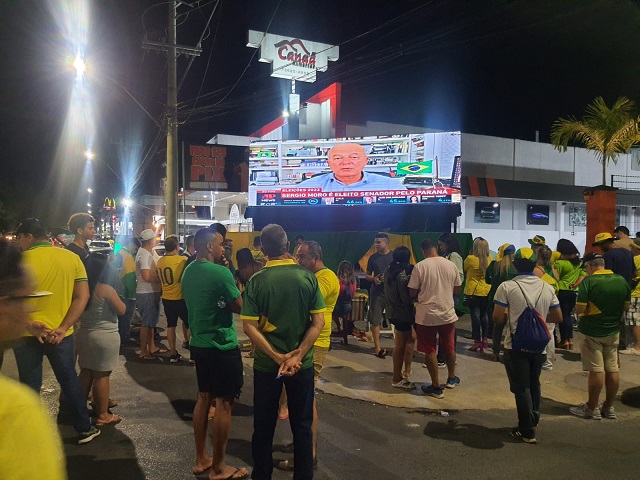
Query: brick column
{"points": [[601, 212]]}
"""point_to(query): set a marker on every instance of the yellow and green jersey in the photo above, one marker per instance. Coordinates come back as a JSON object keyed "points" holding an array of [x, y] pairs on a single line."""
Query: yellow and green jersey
{"points": [[170, 268], [605, 296], [127, 274], [330, 290]]}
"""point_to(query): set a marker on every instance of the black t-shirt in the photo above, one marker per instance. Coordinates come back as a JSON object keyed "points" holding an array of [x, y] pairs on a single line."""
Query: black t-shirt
{"points": [[83, 253], [377, 265], [620, 261]]}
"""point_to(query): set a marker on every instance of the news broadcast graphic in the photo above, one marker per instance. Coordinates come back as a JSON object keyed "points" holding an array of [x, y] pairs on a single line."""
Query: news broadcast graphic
{"points": [[407, 169]]}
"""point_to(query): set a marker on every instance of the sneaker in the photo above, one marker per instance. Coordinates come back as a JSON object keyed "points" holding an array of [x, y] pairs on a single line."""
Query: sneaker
{"points": [[547, 366], [584, 411], [430, 390], [629, 351], [515, 433], [405, 384], [175, 358], [185, 345], [452, 382], [441, 365], [609, 413], [86, 437]]}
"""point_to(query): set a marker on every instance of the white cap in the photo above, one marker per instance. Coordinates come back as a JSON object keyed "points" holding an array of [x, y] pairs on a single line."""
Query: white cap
{"points": [[147, 234]]}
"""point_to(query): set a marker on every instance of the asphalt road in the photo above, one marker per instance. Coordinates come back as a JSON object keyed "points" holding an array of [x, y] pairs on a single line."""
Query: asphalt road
{"points": [[358, 439]]}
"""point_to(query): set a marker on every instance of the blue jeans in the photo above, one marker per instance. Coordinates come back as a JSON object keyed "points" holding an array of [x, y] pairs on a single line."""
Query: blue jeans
{"points": [[266, 395], [523, 370], [29, 353], [479, 320], [567, 300], [124, 321]]}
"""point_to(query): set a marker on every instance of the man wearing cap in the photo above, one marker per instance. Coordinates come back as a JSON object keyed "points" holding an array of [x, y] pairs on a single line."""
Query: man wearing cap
{"points": [[523, 368], [618, 260], [602, 298], [62, 275], [148, 291]]}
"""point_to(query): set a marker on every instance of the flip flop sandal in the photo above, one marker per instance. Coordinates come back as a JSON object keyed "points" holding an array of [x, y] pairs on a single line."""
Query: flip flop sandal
{"points": [[159, 351], [147, 358], [382, 353], [233, 475], [115, 419]]}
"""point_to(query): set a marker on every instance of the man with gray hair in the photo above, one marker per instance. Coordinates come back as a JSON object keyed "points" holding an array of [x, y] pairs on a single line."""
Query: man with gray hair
{"points": [[282, 314], [602, 298]]}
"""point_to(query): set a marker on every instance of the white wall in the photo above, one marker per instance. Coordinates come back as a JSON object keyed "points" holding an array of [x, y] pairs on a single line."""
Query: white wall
{"points": [[513, 227]]}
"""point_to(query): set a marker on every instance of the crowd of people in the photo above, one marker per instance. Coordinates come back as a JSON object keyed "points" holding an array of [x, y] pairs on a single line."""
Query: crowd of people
{"points": [[289, 303]]}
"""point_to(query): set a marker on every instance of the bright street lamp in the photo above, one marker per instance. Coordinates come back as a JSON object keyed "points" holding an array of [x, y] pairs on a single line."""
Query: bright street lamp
{"points": [[89, 190], [89, 155], [89, 205], [127, 202], [80, 67]]}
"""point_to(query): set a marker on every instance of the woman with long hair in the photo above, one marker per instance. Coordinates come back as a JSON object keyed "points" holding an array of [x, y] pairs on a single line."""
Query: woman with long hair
{"points": [[570, 276], [348, 286], [98, 341], [499, 271], [546, 271], [247, 266], [477, 290], [32, 444], [402, 315]]}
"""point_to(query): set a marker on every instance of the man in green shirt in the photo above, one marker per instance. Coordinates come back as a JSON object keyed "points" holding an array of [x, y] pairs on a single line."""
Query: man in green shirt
{"points": [[212, 298], [602, 298], [282, 314]]}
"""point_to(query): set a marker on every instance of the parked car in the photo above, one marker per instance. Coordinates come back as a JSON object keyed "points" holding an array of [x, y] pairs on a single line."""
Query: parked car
{"points": [[100, 246]]}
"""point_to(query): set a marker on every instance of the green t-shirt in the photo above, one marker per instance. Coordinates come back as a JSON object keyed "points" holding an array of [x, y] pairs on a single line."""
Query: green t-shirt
{"points": [[281, 298], [604, 294], [568, 273], [208, 289]]}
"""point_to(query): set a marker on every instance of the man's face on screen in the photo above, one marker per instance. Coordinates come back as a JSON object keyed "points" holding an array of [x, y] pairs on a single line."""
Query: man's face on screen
{"points": [[347, 162]]}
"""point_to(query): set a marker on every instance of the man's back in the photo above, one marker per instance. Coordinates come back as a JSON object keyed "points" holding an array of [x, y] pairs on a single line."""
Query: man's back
{"points": [[435, 279], [522, 291], [620, 261], [604, 294], [281, 297], [170, 268], [55, 270], [207, 289]]}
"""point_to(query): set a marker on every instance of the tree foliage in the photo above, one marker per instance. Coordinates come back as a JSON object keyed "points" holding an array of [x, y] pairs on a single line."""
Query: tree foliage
{"points": [[609, 132]]}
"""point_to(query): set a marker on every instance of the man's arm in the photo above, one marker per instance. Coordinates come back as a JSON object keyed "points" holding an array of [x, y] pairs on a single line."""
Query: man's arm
{"points": [[258, 340], [413, 293], [147, 276], [78, 303], [499, 314], [457, 290], [292, 364], [554, 315], [236, 305]]}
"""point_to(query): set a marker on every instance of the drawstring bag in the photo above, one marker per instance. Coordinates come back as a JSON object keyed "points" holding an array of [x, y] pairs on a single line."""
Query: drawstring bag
{"points": [[532, 334]]}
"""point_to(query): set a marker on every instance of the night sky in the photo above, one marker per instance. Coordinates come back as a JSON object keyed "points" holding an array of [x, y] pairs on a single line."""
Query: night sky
{"points": [[503, 68]]}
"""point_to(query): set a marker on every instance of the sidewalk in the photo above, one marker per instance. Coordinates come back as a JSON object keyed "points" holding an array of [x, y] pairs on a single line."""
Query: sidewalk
{"points": [[353, 371]]}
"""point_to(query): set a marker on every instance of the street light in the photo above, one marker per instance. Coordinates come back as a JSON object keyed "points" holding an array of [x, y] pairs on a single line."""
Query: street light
{"points": [[89, 190], [127, 202], [89, 205], [89, 155], [80, 67]]}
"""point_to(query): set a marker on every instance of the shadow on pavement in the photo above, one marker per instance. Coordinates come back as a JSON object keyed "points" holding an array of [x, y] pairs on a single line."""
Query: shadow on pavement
{"points": [[87, 461], [631, 397], [469, 434]]}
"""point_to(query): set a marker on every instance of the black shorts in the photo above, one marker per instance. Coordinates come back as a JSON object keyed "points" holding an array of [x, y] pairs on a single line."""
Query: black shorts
{"points": [[401, 326], [174, 309], [219, 372]]}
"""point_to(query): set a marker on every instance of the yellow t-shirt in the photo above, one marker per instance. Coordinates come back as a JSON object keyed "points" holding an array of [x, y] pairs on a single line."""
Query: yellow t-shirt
{"points": [[330, 290], [30, 446], [55, 270], [170, 268], [475, 284], [636, 262]]}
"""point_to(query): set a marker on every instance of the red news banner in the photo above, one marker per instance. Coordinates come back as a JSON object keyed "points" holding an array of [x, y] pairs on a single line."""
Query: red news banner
{"points": [[286, 193]]}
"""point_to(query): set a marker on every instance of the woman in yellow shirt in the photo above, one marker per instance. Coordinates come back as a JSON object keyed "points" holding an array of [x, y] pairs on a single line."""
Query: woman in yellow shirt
{"points": [[477, 290], [29, 443]]}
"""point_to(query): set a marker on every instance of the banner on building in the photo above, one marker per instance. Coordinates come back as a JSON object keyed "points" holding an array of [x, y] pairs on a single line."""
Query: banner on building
{"points": [[213, 167]]}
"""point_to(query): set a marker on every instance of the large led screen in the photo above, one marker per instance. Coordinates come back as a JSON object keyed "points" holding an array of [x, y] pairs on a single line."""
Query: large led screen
{"points": [[413, 168]]}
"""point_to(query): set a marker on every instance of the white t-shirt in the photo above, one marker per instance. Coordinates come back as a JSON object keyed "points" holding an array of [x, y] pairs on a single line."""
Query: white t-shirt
{"points": [[540, 294], [434, 278], [144, 261]]}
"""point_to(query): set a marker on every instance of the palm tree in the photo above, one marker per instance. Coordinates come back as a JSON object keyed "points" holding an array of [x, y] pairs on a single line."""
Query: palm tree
{"points": [[607, 131]]}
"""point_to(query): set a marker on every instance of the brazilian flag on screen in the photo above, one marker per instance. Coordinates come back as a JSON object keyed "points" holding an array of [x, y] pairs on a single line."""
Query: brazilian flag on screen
{"points": [[414, 168]]}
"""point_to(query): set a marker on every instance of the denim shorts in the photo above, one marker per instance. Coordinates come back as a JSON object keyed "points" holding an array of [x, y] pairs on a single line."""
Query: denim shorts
{"points": [[149, 307]]}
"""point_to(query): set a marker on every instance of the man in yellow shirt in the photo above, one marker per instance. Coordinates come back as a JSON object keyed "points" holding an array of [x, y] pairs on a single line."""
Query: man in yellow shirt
{"points": [[170, 268], [62, 273], [309, 256], [30, 446]]}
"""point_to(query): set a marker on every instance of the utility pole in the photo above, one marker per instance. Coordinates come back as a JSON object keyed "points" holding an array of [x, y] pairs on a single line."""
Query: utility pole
{"points": [[171, 187], [173, 50]]}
